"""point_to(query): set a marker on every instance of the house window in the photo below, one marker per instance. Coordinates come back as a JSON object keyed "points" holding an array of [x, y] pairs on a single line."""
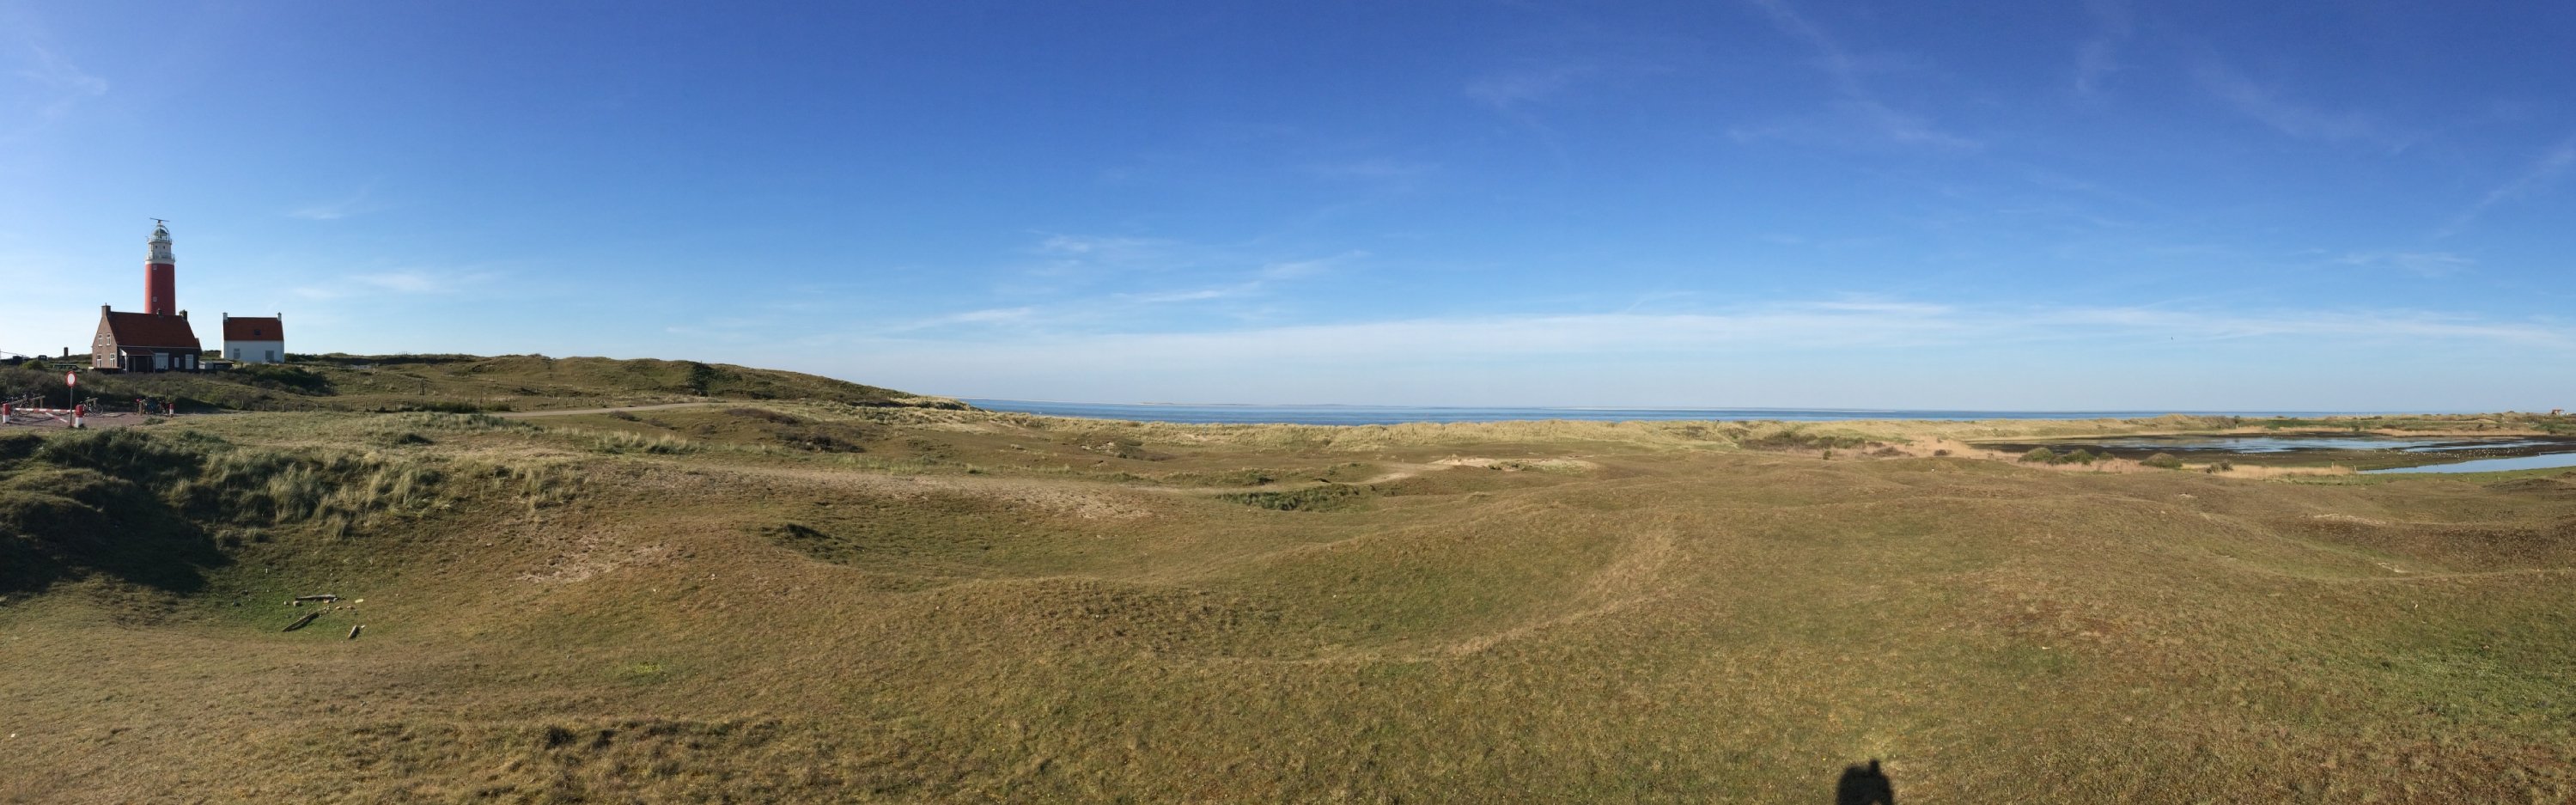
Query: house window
{"points": [[272, 356], [237, 353]]}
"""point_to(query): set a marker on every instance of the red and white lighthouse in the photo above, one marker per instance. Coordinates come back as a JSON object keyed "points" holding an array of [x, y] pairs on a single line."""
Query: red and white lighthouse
{"points": [[160, 275]]}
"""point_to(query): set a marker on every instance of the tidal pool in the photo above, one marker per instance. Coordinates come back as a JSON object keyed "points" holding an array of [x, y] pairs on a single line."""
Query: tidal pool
{"points": [[2266, 443], [2538, 462]]}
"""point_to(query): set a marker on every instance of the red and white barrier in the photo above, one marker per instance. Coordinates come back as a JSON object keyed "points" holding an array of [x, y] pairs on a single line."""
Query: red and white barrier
{"points": [[10, 415]]}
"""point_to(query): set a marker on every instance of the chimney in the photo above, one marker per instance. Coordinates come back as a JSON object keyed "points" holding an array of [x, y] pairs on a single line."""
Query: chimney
{"points": [[183, 314], [102, 309]]}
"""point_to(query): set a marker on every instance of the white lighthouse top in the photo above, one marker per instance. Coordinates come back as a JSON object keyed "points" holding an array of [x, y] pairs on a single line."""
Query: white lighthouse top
{"points": [[161, 244]]}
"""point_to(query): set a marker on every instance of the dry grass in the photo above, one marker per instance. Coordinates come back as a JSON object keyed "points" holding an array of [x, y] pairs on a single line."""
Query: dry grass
{"points": [[999, 608]]}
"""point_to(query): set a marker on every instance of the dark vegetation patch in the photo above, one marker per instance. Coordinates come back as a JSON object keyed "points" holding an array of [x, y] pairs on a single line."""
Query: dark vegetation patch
{"points": [[280, 377], [442, 407], [403, 439], [2162, 461], [1324, 497], [766, 415], [2042, 455], [1248, 476], [1795, 440], [1126, 448], [829, 437], [803, 434], [1263, 476]]}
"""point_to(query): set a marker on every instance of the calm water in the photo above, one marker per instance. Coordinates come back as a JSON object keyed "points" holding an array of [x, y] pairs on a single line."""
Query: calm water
{"points": [[2489, 465], [1389, 415], [2287, 444]]}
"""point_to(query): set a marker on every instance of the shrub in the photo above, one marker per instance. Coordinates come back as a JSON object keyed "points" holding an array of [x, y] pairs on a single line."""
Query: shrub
{"points": [[2218, 467], [2039, 455], [294, 379], [1794, 440], [2165, 461], [819, 440], [2080, 457], [622, 442]]}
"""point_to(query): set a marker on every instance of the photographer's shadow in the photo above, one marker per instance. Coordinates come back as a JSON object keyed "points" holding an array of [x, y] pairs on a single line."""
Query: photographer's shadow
{"points": [[1864, 785]]}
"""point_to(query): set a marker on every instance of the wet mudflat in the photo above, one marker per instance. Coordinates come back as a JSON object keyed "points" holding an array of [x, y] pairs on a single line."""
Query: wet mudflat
{"points": [[2367, 452]]}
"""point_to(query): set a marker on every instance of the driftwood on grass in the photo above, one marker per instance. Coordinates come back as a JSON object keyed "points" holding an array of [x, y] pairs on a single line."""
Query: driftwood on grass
{"points": [[299, 600], [300, 622], [353, 631]]}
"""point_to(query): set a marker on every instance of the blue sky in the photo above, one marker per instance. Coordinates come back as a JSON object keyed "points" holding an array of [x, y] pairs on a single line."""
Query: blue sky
{"points": [[2350, 206]]}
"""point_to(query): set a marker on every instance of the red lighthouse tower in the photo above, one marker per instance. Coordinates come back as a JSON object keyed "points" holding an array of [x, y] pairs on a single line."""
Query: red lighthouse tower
{"points": [[161, 274]]}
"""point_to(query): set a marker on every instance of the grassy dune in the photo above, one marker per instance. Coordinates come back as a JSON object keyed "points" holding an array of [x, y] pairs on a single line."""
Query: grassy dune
{"points": [[455, 383], [822, 601]]}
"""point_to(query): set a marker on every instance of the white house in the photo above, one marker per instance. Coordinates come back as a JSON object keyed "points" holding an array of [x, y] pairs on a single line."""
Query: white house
{"points": [[255, 339]]}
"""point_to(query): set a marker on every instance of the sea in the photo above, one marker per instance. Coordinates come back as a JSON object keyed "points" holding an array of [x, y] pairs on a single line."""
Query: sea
{"points": [[1397, 414]]}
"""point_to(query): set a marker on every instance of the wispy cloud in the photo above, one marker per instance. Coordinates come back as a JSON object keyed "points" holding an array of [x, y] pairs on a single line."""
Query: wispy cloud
{"points": [[1199, 295], [2425, 264], [1292, 269], [1853, 96], [1380, 171], [406, 282], [60, 84], [1513, 93], [985, 317], [1514, 90], [1071, 261], [2540, 174], [2271, 108], [1062, 254], [1805, 326], [2098, 56], [1089, 282], [1105, 247], [357, 203], [51, 70]]}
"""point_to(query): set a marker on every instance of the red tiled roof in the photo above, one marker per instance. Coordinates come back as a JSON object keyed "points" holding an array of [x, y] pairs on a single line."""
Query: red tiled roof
{"points": [[247, 328], [150, 330]]}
